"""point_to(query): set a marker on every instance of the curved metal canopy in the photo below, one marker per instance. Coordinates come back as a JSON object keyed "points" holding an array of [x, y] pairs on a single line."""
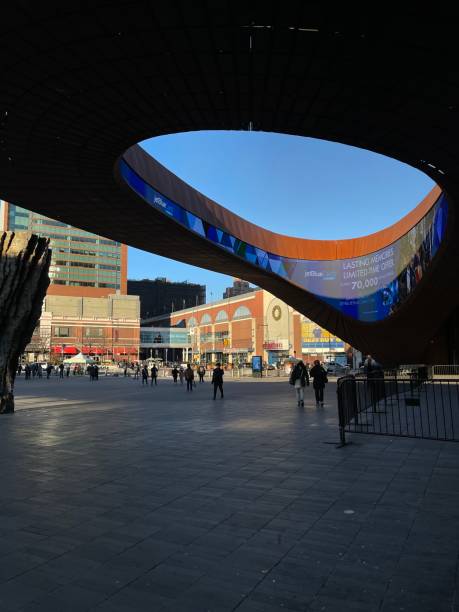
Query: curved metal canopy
{"points": [[83, 82]]}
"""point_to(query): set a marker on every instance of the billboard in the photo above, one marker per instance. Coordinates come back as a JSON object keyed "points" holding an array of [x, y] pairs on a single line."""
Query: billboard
{"points": [[315, 339], [368, 288], [257, 363]]}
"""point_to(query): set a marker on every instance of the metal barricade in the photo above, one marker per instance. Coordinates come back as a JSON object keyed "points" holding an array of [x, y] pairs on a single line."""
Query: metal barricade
{"points": [[413, 407]]}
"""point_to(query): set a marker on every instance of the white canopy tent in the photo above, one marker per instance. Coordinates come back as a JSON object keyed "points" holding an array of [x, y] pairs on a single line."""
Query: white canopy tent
{"points": [[78, 359]]}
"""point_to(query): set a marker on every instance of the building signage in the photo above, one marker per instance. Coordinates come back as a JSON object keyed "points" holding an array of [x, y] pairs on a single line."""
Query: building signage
{"points": [[276, 345]]}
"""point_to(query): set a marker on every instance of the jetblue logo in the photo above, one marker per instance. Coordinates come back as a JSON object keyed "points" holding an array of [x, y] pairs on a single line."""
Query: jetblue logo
{"points": [[159, 202]]}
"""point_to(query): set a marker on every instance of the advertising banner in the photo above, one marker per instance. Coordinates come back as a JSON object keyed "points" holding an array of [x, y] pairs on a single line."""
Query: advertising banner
{"points": [[257, 363]]}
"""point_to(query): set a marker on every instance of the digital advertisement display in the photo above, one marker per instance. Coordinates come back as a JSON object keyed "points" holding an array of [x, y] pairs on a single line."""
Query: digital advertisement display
{"points": [[368, 288]]}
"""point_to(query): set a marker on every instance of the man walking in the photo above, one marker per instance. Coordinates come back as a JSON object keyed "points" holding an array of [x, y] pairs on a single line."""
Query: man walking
{"points": [[144, 375], [319, 375], [201, 372], [154, 375], [174, 373], [189, 377], [217, 380]]}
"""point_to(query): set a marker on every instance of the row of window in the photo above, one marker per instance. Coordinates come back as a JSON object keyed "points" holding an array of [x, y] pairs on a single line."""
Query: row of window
{"points": [[101, 255], [88, 332], [218, 337], [59, 281], [240, 313]]}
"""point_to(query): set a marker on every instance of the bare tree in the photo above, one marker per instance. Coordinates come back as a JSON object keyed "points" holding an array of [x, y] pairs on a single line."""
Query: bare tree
{"points": [[24, 265]]}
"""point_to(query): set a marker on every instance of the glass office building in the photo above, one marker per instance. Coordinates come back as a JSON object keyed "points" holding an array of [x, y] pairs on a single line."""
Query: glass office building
{"points": [[79, 258]]}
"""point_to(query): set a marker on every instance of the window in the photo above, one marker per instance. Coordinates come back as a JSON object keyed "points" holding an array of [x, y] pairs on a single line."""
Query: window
{"points": [[82, 264], [106, 267], [82, 252], [50, 222], [62, 332], [82, 239], [93, 332], [80, 284], [108, 285], [60, 262], [221, 334], [58, 282], [102, 241], [205, 319], [221, 316], [242, 313], [192, 322]]}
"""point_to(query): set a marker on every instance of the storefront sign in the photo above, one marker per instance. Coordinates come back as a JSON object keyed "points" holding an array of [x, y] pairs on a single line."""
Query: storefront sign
{"points": [[278, 345]]}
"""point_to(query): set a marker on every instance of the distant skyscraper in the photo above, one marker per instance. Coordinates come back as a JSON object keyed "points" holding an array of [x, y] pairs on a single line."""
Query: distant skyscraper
{"points": [[161, 296], [82, 263], [239, 288]]}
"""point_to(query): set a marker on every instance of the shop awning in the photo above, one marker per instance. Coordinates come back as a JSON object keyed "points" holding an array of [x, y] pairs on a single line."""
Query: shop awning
{"points": [[125, 350], [68, 350], [94, 350]]}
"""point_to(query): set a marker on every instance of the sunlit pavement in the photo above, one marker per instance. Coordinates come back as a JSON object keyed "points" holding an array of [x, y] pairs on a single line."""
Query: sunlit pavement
{"points": [[120, 497]]}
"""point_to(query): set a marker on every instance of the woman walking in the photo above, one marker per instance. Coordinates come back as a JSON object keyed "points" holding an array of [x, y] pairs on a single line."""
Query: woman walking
{"points": [[320, 378], [299, 378]]}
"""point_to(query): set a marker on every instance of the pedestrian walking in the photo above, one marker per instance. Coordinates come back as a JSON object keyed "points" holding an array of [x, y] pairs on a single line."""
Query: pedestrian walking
{"points": [[299, 378], [181, 374], [154, 375], [144, 375], [137, 372], [201, 373], [175, 373], [189, 377], [49, 369], [61, 370], [319, 376], [19, 369], [217, 380], [27, 371], [67, 371], [375, 380], [95, 370]]}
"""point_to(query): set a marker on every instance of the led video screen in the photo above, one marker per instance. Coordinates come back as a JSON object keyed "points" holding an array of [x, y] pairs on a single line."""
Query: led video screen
{"points": [[368, 288]]}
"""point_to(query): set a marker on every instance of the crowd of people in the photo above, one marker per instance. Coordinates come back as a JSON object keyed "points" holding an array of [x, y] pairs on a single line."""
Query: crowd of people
{"points": [[181, 374], [301, 375], [37, 370]]}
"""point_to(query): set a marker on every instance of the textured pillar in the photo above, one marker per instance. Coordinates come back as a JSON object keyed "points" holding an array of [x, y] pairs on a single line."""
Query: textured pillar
{"points": [[24, 265]]}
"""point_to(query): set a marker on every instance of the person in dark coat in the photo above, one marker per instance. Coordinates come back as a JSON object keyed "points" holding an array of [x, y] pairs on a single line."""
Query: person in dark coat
{"points": [[154, 375], [202, 373], [144, 375], [217, 380], [299, 378], [189, 377], [174, 373], [319, 376]]}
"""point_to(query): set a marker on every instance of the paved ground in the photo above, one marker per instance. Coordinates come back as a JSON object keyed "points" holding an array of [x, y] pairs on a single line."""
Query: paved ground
{"points": [[120, 498]]}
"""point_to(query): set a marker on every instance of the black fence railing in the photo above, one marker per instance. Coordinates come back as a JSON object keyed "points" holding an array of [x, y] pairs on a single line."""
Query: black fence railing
{"points": [[412, 407]]}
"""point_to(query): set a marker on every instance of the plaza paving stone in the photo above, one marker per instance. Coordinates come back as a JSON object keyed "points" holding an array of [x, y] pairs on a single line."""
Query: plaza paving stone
{"points": [[118, 497]]}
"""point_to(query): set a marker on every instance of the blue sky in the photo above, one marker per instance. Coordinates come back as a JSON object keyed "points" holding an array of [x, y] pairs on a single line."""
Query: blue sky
{"points": [[289, 184]]}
